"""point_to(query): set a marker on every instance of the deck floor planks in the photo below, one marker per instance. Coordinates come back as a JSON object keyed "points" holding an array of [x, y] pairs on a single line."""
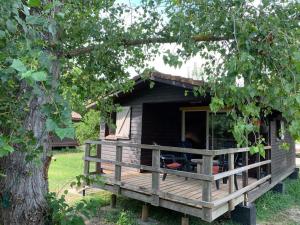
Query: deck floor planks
{"points": [[173, 184]]}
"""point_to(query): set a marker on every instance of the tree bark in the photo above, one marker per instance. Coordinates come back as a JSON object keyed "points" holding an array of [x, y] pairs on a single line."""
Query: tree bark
{"points": [[23, 191], [24, 188]]}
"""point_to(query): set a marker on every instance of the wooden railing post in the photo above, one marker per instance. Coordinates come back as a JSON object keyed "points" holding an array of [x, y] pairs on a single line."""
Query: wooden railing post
{"points": [[269, 157], [86, 170], [87, 153], [155, 176], [207, 185], [231, 179], [118, 168], [258, 168], [245, 176], [98, 164]]}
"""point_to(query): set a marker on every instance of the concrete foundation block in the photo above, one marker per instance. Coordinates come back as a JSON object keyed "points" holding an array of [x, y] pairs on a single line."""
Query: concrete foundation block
{"points": [[244, 215], [295, 174], [279, 188]]}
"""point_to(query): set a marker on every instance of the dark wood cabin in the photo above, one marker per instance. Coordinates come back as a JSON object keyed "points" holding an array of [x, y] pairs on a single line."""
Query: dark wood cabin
{"points": [[57, 143], [156, 121]]}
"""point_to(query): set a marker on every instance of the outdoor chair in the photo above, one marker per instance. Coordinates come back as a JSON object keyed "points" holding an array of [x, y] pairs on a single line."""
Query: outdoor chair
{"points": [[223, 166], [174, 162]]}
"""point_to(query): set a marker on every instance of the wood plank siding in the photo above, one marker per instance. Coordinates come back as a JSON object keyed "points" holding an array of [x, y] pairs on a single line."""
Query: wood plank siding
{"points": [[282, 160], [160, 93]]}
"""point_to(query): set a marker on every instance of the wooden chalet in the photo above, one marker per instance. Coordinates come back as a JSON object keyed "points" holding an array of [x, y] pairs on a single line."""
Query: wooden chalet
{"points": [[156, 124]]}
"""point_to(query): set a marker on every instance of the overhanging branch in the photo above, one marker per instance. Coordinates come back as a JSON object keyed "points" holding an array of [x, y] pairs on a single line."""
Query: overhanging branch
{"points": [[136, 42]]}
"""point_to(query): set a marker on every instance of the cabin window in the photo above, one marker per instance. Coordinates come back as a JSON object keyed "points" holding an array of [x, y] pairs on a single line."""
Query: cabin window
{"points": [[120, 124], [110, 126], [280, 130]]}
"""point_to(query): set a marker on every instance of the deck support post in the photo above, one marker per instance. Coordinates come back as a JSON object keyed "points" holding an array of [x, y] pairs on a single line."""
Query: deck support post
{"points": [[245, 215], [145, 212], [295, 174], [87, 153], [113, 201], [185, 220], [207, 186]]}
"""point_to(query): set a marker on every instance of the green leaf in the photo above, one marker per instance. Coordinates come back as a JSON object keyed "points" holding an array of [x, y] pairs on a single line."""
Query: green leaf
{"points": [[39, 76], [216, 104], [27, 74], [52, 29], [11, 26], [2, 34], [254, 149], [34, 3], [5, 148], [35, 20], [36, 76], [18, 65], [50, 125], [65, 132]]}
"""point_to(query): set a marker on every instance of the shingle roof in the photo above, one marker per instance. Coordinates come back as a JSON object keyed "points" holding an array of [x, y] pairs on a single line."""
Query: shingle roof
{"points": [[172, 79]]}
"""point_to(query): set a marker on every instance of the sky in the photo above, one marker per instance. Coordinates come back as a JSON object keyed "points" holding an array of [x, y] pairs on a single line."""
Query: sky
{"points": [[158, 64]]}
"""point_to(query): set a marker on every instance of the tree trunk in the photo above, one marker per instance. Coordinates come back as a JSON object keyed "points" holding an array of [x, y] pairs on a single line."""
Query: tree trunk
{"points": [[24, 188]]}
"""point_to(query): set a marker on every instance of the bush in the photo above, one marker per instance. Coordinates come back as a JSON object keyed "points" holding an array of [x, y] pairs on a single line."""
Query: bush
{"points": [[89, 127], [61, 213]]}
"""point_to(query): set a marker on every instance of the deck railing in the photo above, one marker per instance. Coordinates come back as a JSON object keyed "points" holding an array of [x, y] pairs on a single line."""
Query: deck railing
{"points": [[206, 177]]}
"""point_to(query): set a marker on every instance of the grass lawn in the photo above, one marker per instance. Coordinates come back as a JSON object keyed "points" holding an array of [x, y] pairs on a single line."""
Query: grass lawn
{"points": [[65, 166], [272, 208]]}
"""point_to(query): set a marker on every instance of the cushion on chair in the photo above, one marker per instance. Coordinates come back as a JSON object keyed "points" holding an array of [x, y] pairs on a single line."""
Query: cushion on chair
{"points": [[215, 169], [173, 165]]}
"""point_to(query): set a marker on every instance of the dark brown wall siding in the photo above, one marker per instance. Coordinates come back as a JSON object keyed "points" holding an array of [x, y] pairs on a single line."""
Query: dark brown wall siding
{"points": [[130, 155], [282, 161], [159, 93]]}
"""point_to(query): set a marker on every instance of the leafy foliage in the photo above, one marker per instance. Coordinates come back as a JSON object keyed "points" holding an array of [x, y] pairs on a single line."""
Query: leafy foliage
{"points": [[62, 213], [88, 128], [53, 53]]}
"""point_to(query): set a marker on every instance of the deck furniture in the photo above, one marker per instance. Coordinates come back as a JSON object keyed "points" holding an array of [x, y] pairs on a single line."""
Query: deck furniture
{"points": [[216, 168], [168, 161], [173, 162]]}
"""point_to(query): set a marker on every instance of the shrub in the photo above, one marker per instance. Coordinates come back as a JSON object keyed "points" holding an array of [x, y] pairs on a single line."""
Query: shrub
{"points": [[89, 127], [126, 218], [61, 213]]}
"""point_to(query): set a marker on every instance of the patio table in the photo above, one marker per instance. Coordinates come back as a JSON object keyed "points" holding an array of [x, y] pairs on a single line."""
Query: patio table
{"points": [[199, 163]]}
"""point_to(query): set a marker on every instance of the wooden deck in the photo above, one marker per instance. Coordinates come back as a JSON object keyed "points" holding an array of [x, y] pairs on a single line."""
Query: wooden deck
{"points": [[172, 186], [191, 193]]}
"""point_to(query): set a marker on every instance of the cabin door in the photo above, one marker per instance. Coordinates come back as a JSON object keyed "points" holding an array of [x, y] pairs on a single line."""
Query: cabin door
{"points": [[194, 128], [219, 131]]}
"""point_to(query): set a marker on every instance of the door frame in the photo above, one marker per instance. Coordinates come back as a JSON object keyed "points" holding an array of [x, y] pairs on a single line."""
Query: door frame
{"points": [[197, 109]]}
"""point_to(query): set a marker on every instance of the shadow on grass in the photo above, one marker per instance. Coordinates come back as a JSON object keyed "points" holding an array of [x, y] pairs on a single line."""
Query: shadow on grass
{"points": [[129, 210]]}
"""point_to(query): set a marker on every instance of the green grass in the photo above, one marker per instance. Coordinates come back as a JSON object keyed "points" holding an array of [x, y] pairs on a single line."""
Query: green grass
{"points": [[273, 203], [64, 168], [67, 165]]}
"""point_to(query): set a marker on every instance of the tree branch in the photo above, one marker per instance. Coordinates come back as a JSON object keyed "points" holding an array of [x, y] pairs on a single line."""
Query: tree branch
{"points": [[136, 42]]}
